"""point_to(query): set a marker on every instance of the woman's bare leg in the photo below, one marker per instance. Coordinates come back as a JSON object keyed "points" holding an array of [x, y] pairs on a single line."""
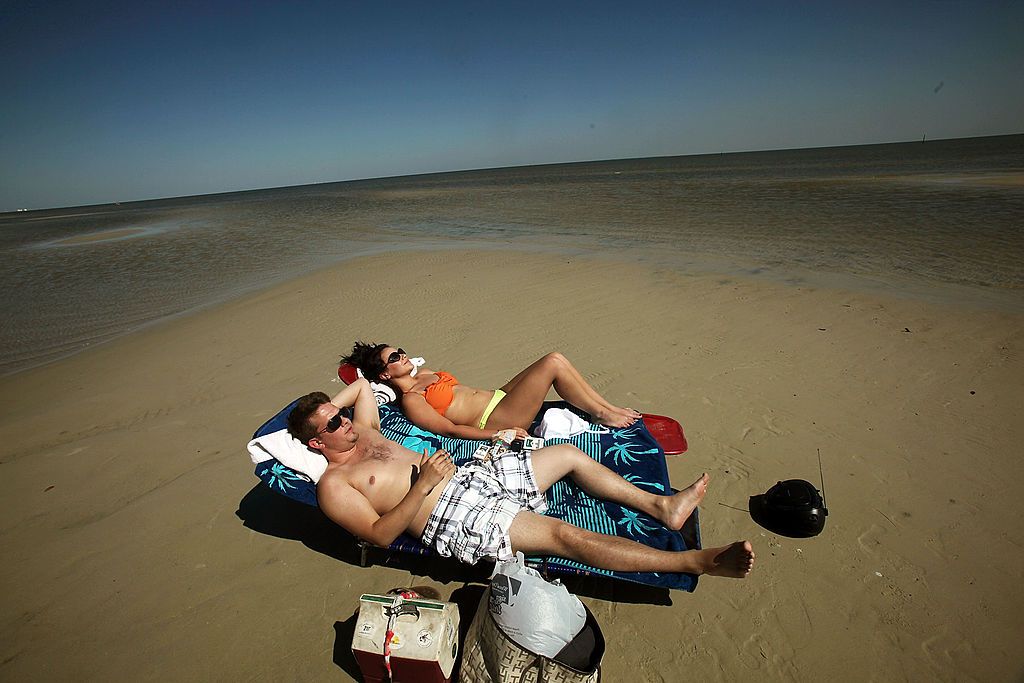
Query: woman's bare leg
{"points": [[575, 375], [628, 412], [553, 463], [527, 391], [535, 534]]}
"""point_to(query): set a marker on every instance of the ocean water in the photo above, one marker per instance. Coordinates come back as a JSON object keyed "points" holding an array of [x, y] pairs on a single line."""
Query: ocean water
{"points": [[939, 219]]}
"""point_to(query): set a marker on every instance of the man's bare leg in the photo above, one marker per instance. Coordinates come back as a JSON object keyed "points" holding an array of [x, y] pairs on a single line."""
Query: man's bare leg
{"points": [[557, 462], [538, 535]]}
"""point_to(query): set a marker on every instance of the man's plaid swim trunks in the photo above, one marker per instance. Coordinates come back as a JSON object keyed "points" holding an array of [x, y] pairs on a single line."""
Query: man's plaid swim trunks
{"points": [[475, 511]]}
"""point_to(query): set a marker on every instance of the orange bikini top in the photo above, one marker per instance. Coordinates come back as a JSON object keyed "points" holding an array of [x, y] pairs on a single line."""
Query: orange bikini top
{"points": [[440, 394]]}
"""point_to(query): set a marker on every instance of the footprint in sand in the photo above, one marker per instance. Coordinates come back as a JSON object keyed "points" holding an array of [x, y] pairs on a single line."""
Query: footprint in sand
{"points": [[947, 651], [869, 540]]}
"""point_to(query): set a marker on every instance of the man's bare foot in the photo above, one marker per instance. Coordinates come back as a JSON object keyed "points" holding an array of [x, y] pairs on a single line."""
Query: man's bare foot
{"points": [[677, 508], [734, 561]]}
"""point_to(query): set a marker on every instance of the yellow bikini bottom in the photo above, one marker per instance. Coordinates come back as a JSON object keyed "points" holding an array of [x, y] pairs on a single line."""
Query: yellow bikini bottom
{"points": [[495, 400]]}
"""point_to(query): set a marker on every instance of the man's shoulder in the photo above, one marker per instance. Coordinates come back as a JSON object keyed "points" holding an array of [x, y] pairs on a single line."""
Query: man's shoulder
{"points": [[334, 477]]}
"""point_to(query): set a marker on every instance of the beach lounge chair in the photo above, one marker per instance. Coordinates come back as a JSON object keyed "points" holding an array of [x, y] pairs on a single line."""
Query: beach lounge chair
{"points": [[632, 452]]}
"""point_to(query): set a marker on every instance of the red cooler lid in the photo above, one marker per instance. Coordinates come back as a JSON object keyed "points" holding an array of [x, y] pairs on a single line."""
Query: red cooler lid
{"points": [[667, 432]]}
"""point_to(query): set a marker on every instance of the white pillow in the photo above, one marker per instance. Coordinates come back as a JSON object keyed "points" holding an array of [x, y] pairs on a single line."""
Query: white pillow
{"points": [[289, 451]]}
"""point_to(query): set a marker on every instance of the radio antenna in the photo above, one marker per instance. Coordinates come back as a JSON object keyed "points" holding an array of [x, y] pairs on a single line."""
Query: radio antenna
{"points": [[821, 475]]}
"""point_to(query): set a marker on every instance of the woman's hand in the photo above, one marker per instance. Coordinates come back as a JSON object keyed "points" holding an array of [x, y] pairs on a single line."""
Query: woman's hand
{"points": [[509, 435], [506, 435]]}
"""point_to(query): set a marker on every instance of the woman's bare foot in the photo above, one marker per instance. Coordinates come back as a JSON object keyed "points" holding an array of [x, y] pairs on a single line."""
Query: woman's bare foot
{"points": [[629, 412], [678, 507], [734, 561], [612, 419]]}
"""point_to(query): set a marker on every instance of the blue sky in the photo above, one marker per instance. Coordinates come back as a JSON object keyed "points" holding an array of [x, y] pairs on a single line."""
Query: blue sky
{"points": [[115, 101]]}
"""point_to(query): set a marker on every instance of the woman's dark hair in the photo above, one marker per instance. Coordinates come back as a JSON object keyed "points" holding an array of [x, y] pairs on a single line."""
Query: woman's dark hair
{"points": [[299, 425], [367, 358]]}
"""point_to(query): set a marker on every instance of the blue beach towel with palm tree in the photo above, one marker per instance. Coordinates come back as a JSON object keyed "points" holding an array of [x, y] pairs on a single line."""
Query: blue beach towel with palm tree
{"points": [[632, 452]]}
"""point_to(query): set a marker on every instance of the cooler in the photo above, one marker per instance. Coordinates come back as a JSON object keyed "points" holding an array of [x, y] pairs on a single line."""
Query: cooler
{"points": [[425, 643]]}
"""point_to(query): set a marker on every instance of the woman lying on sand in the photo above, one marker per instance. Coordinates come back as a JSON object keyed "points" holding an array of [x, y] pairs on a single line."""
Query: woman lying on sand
{"points": [[436, 401]]}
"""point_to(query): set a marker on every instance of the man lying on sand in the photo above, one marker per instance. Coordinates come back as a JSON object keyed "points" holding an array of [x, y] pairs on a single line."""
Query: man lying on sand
{"points": [[377, 489]]}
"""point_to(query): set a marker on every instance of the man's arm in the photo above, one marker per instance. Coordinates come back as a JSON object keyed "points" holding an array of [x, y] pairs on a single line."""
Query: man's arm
{"points": [[360, 396], [349, 509]]}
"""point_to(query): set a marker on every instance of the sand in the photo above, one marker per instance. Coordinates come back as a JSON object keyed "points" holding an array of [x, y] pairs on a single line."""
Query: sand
{"points": [[138, 545]]}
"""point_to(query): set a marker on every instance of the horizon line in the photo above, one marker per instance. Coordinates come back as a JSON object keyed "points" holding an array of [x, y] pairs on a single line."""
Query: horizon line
{"points": [[15, 212]]}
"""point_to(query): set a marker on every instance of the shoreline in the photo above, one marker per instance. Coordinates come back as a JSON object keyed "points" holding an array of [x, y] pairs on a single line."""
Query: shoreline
{"points": [[962, 296], [131, 508]]}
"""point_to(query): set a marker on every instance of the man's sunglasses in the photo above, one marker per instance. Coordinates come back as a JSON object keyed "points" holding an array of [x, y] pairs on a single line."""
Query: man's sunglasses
{"points": [[335, 422], [395, 356]]}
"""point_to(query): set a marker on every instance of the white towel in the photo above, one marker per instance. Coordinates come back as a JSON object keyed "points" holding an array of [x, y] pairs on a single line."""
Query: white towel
{"points": [[562, 423], [288, 451]]}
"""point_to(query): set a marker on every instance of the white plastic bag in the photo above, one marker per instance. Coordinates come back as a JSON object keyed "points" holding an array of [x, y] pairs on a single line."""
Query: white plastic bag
{"points": [[539, 616]]}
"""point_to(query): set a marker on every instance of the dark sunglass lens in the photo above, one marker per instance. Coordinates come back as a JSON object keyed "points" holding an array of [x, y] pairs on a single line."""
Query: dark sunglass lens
{"points": [[394, 357], [334, 423], [347, 412]]}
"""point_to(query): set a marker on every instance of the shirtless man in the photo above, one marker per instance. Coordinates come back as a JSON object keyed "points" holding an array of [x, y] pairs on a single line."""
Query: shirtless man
{"points": [[377, 489]]}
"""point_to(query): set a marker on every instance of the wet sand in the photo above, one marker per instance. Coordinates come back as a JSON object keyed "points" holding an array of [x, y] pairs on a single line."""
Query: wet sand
{"points": [[983, 180], [139, 547], [104, 236]]}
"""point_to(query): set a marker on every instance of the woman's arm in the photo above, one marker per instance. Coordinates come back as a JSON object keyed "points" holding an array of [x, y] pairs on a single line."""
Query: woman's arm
{"points": [[360, 396], [421, 414]]}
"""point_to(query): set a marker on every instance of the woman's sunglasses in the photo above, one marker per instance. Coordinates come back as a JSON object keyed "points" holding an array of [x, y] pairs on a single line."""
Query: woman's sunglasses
{"points": [[335, 422], [395, 356]]}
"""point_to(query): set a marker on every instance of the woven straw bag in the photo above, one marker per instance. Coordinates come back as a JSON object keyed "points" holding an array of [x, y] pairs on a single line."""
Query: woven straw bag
{"points": [[490, 656]]}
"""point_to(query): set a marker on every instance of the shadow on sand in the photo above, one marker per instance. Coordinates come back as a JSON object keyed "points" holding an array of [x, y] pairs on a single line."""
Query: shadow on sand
{"points": [[270, 513]]}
